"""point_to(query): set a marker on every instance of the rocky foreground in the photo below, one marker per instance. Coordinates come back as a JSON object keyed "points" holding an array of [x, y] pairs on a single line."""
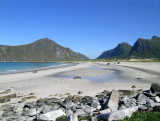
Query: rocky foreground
{"points": [[108, 106]]}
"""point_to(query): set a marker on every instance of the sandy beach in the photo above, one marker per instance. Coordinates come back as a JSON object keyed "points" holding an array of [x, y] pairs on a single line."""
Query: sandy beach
{"points": [[96, 77]]}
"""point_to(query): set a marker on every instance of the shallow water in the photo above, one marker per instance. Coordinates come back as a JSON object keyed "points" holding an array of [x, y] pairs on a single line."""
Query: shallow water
{"points": [[111, 77], [13, 67]]}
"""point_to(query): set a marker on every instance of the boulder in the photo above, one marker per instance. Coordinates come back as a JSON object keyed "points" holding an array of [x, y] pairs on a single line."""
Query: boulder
{"points": [[68, 105], [112, 101], [95, 104], [87, 99], [156, 99], [141, 98], [77, 77], [129, 93], [155, 88], [72, 118], [119, 114], [69, 113], [80, 113], [30, 112], [105, 111], [51, 115]]}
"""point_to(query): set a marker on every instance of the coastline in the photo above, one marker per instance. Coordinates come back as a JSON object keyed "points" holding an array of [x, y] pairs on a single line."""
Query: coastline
{"points": [[39, 69], [52, 82]]}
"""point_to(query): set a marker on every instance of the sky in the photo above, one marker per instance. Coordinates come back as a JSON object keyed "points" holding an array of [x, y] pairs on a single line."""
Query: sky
{"points": [[86, 26]]}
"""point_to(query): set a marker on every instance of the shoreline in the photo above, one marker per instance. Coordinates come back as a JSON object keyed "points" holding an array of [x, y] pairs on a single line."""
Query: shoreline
{"points": [[40, 69], [51, 82]]}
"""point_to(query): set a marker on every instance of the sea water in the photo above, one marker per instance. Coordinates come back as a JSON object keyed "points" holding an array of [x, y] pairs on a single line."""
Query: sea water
{"points": [[13, 67]]}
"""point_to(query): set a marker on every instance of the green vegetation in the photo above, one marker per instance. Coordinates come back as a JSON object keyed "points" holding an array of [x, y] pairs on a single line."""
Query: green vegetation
{"points": [[62, 118], [121, 51], [143, 48], [144, 116], [137, 116], [43, 50]]}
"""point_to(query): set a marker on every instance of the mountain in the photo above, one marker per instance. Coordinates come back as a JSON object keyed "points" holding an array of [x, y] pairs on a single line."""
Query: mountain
{"points": [[121, 51], [146, 48], [40, 50], [143, 48]]}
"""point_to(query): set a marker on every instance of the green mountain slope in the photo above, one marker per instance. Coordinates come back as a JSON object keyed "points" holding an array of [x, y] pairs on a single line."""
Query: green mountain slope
{"points": [[121, 51], [40, 50], [146, 48]]}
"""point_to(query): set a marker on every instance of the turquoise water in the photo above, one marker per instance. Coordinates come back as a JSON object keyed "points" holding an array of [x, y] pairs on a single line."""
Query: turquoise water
{"points": [[13, 67]]}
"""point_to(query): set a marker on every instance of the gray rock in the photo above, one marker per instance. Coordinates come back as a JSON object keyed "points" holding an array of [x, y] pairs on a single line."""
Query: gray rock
{"points": [[125, 100], [129, 93], [95, 104], [105, 111], [68, 99], [68, 105], [150, 103], [80, 113], [141, 98], [5, 100], [119, 114], [112, 101], [30, 119], [156, 99], [29, 105], [16, 115], [23, 118], [17, 109], [55, 100], [155, 87], [51, 115], [87, 99], [8, 113], [1, 113], [72, 118], [30, 112], [46, 109], [122, 107], [73, 108], [143, 108], [77, 99], [77, 77], [88, 110], [69, 113], [150, 94]]}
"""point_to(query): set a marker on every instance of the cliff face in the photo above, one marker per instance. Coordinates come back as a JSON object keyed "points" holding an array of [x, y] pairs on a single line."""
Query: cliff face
{"points": [[146, 48], [40, 50]]}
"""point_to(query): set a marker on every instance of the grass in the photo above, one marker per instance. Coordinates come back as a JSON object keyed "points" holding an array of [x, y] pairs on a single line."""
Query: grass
{"points": [[144, 116]]}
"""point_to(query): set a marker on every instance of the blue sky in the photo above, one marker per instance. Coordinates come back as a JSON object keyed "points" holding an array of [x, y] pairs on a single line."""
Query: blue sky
{"points": [[86, 26]]}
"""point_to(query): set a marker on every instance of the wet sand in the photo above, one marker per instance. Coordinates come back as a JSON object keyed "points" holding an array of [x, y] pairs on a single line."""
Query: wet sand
{"points": [[96, 77]]}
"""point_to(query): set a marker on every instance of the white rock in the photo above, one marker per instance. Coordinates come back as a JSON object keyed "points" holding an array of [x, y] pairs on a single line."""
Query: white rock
{"points": [[51, 115], [31, 112], [157, 99], [112, 101], [105, 111], [80, 112], [119, 114], [1, 113], [72, 118]]}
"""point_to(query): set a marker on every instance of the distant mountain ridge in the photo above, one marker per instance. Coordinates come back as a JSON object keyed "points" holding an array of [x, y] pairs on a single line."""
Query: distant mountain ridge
{"points": [[121, 51], [39, 51], [142, 48]]}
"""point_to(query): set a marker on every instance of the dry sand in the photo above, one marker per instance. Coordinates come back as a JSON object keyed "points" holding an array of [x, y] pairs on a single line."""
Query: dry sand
{"points": [[96, 77]]}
